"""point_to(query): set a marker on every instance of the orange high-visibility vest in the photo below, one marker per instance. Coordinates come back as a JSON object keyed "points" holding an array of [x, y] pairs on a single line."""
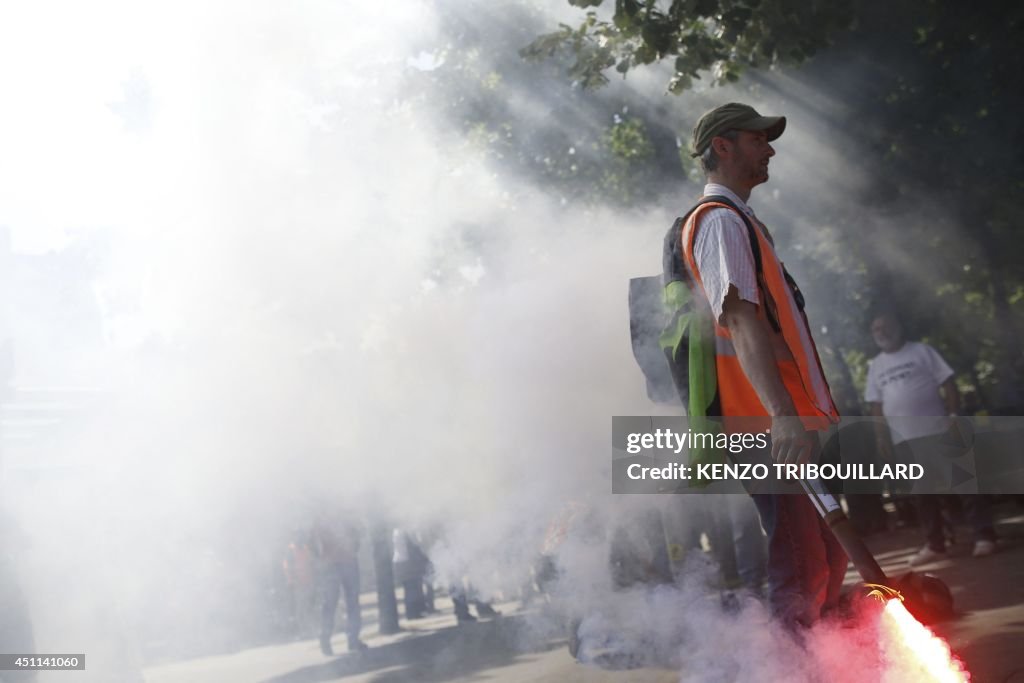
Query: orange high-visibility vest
{"points": [[795, 354]]}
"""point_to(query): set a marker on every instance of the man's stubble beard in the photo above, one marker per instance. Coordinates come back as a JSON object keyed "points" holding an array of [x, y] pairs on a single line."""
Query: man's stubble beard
{"points": [[758, 173]]}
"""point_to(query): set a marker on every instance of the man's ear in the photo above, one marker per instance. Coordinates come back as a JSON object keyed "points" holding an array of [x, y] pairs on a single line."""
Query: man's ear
{"points": [[721, 145]]}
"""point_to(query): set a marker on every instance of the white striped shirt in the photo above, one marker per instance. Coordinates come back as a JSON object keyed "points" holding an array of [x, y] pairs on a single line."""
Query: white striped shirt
{"points": [[722, 252], [723, 256]]}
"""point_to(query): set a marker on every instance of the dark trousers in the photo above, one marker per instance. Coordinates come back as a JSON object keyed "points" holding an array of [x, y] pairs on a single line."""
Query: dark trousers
{"points": [[806, 564], [748, 540], [976, 507], [341, 576], [460, 602], [428, 596], [929, 506], [415, 602], [461, 599]]}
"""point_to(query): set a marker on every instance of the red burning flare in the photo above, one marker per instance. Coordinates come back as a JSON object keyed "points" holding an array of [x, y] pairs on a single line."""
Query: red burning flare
{"points": [[905, 637]]}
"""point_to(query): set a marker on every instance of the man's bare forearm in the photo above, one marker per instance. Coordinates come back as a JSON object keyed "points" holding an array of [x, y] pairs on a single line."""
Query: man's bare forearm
{"points": [[751, 337]]}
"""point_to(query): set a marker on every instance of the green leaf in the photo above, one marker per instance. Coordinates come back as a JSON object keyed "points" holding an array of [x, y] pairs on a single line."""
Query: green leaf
{"points": [[625, 13]]}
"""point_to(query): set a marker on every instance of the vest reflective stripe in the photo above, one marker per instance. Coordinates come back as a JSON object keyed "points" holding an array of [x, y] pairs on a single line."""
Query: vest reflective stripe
{"points": [[801, 374], [724, 347]]}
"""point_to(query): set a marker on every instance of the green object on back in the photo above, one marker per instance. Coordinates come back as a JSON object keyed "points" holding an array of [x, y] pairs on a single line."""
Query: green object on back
{"points": [[693, 325], [689, 340], [676, 297], [703, 387]]}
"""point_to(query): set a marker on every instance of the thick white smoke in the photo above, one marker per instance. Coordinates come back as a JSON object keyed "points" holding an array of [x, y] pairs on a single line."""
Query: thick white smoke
{"points": [[306, 293], [289, 309]]}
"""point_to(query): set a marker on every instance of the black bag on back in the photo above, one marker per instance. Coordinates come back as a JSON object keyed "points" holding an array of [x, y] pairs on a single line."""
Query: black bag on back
{"points": [[661, 310]]}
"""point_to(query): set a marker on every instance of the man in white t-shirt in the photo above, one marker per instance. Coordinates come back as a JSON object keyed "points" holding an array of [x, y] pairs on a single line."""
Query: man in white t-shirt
{"points": [[912, 386]]}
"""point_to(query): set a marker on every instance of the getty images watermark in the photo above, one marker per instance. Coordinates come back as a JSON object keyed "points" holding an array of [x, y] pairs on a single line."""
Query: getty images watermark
{"points": [[930, 455]]}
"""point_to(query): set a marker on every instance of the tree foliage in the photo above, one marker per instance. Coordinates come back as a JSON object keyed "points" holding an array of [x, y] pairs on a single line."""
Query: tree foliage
{"points": [[933, 114], [720, 37], [582, 145], [929, 92]]}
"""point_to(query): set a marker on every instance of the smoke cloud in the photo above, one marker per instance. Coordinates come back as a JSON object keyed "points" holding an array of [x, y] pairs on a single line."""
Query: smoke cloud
{"points": [[295, 284]]}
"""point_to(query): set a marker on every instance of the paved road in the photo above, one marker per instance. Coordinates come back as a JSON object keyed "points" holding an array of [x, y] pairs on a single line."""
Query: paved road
{"points": [[988, 634]]}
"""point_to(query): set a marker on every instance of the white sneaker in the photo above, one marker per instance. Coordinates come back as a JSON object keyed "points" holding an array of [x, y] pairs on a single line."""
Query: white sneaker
{"points": [[984, 548], [926, 555]]}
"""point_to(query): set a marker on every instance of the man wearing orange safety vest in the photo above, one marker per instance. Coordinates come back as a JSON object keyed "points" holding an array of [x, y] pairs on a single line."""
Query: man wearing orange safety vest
{"points": [[766, 362]]}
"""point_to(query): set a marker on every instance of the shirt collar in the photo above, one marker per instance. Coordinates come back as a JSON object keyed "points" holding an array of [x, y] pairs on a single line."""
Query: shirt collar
{"points": [[715, 188]]}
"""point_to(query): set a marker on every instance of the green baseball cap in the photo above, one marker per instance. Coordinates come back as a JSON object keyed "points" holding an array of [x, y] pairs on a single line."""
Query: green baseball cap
{"points": [[733, 116]]}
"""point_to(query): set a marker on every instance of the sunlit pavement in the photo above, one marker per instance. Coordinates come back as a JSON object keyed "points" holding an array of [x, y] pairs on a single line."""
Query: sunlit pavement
{"points": [[988, 634]]}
